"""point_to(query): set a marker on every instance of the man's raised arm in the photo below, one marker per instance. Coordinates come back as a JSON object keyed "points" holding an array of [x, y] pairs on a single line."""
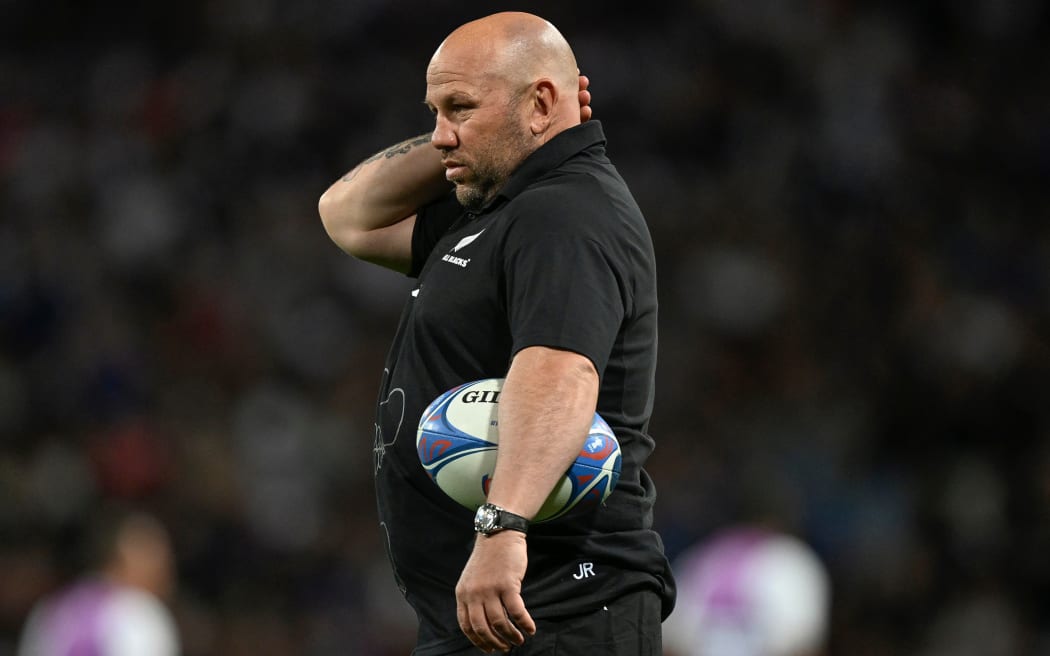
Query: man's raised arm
{"points": [[370, 211]]}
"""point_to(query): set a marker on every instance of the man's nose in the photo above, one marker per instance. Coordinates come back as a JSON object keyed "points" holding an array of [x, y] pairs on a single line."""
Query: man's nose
{"points": [[444, 137]]}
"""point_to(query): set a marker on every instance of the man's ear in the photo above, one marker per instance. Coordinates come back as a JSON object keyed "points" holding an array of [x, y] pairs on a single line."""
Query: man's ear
{"points": [[544, 96]]}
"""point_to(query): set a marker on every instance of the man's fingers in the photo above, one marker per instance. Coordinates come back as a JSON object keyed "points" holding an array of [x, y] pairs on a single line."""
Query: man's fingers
{"points": [[518, 614], [494, 626], [502, 625], [485, 636], [585, 101], [463, 617]]}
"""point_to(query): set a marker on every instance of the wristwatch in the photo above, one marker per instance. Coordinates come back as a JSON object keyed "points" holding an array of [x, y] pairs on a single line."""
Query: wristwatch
{"points": [[490, 519]]}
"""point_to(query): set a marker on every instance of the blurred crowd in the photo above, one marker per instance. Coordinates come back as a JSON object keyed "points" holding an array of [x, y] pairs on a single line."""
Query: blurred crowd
{"points": [[850, 209]]}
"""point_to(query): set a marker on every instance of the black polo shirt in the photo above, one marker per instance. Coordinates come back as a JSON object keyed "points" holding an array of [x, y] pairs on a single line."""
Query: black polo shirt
{"points": [[562, 258]]}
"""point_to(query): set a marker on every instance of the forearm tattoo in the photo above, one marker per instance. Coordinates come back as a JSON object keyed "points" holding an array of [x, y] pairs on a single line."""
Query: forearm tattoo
{"points": [[393, 151]]}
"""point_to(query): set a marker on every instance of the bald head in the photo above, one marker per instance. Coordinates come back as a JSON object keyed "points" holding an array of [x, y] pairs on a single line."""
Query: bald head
{"points": [[518, 47], [513, 50]]}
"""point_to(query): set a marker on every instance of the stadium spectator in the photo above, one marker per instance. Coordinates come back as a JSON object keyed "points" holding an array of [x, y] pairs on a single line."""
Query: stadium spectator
{"points": [[116, 609], [749, 591]]}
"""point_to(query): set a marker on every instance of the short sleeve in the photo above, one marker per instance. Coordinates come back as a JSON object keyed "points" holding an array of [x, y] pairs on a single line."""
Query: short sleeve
{"points": [[432, 222], [563, 291]]}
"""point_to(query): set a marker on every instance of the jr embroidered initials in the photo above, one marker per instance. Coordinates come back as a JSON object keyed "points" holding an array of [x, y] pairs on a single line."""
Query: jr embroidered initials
{"points": [[586, 569]]}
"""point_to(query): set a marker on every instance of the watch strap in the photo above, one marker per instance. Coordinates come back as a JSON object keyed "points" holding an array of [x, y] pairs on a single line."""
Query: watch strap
{"points": [[505, 520]]}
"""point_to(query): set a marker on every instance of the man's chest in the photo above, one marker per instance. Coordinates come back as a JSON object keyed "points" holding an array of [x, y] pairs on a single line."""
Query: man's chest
{"points": [[462, 281]]}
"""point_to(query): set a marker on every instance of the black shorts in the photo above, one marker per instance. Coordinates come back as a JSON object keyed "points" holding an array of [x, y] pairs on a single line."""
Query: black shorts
{"points": [[629, 626]]}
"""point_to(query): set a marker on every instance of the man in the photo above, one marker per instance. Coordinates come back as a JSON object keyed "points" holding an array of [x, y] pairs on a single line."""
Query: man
{"points": [[117, 608], [538, 268]]}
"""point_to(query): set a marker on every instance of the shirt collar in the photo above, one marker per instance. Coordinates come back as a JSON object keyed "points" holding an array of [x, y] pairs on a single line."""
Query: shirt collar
{"points": [[550, 155]]}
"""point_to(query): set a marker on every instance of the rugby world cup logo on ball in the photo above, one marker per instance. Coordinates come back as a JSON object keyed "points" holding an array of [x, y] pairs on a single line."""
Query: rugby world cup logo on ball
{"points": [[458, 439]]}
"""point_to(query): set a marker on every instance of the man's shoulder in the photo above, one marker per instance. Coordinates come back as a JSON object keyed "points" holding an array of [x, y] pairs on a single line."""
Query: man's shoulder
{"points": [[575, 197]]}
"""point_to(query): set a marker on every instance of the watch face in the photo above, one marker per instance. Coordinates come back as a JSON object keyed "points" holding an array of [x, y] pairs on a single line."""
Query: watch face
{"points": [[485, 520]]}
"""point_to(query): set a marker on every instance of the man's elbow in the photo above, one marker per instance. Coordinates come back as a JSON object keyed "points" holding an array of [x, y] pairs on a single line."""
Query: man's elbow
{"points": [[337, 219], [331, 208]]}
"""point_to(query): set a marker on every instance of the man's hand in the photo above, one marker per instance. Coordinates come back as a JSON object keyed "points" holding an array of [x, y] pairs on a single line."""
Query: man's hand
{"points": [[585, 100], [489, 606]]}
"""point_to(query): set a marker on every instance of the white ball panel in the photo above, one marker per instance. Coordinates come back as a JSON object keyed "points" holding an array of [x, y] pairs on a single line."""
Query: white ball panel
{"points": [[559, 496], [462, 478], [474, 410]]}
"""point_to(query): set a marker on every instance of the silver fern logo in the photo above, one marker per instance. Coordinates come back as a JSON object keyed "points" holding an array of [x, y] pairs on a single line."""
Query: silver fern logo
{"points": [[466, 241], [463, 243]]}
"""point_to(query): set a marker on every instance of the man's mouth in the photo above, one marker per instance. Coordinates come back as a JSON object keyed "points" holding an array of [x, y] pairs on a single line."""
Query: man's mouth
{"points": [[453, 169]]}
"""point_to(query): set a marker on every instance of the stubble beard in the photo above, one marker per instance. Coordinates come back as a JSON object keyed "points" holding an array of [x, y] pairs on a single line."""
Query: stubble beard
{"points": [[494, 165]]}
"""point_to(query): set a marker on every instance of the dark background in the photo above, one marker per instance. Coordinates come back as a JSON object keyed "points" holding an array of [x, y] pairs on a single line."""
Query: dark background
{"points": [[849, 203]]}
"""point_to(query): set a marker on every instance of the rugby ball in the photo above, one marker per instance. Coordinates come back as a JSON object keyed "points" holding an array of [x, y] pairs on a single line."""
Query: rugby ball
{"points": [[458, 439]]}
